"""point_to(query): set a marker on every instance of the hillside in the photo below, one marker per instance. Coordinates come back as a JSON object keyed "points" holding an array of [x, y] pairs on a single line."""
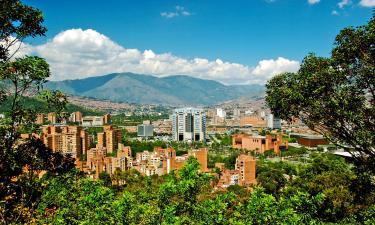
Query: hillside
{"points": [[41, 107], [146, 89]]}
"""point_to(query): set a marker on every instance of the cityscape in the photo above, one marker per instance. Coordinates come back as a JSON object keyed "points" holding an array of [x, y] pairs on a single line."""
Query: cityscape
{"points": [[96, 132]]}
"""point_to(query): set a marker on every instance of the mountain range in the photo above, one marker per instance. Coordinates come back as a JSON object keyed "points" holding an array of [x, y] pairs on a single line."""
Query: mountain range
{"points": [[147, 89]]}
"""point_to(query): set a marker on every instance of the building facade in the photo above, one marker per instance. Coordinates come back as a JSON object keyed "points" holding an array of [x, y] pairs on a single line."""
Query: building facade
{"points": [[189, 124], [273, 122], [145, 130]]}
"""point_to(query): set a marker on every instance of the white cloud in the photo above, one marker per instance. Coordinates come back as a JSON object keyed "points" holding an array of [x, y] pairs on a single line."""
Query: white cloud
{"points": [[335, 13], [367, 3], [179, 11], [343, 3], [312, 2], [77, 53]]}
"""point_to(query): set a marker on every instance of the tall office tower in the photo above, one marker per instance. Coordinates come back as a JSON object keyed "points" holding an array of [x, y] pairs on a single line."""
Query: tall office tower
{"points": [[273, 122], [189, 124], [245, 164]]}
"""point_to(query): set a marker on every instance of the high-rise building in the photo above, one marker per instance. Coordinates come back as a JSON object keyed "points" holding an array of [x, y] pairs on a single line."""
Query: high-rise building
{"points": [[189, 124], [66, 139], [273, 122], [101, 140], [109, 138]]}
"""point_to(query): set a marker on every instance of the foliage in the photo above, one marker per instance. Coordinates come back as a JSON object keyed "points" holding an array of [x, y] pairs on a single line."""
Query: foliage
{"points": [[22, 160], [334, 96]]}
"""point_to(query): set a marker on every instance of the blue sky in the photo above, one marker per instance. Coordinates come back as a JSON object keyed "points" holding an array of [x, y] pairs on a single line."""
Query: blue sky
{"points": [[239, 31]]}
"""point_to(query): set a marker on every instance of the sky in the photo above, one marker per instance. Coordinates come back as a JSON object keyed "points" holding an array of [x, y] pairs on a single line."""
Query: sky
{"points": [[231, 41]]}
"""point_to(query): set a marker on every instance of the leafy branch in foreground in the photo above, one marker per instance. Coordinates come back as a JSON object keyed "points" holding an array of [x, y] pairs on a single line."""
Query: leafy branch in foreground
{"points": [[335, 96]]}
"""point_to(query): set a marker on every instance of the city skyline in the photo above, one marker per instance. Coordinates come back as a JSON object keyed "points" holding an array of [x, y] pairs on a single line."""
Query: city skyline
{"points": [[231, 43]]}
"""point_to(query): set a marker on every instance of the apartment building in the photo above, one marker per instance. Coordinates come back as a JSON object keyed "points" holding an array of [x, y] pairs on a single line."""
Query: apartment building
{"points": [[244, 173], [76, 117], [66, 139], [40, 119]]}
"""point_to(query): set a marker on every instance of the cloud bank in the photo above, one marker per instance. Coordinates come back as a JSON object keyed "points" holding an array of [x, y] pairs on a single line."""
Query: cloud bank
{"points": [[77, 53], [367, 3]]}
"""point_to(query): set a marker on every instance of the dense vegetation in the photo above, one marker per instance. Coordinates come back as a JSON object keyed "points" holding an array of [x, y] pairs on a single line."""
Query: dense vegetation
{"points": [[323, 191]]}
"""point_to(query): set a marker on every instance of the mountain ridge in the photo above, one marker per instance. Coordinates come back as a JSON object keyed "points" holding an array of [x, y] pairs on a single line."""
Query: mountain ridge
{"points": [[148, 89]]}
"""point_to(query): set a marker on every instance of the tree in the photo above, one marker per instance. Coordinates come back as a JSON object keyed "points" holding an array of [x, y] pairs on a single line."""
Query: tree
{"points": [[272, 181], [334, 96], [21, 76]]}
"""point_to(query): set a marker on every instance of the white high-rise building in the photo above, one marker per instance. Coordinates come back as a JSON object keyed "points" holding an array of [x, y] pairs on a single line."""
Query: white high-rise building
{"points": [[189, 124], [273, 122], [220, 113]]}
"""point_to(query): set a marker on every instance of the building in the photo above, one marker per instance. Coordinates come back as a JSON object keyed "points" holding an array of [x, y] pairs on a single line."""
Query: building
{"points": [[162, 126], [112, 138], [220, 113], [236, 113], [39, 119], [189, 124], [202, 156], [51, 117], [244, 173], [252, 121], [107, 119], [259, 143], [75, 117], [101, 140], [245, 164], [109, 138], [273, 122], [145, 130], [66, 139], [98, 162], [92, 121], [312, 141]]}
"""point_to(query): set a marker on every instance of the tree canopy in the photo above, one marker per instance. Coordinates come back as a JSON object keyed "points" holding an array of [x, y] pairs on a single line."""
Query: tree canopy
{"points": [[334, 96]]}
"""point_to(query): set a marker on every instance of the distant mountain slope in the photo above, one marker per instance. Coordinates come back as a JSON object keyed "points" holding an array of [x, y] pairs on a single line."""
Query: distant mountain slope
{"points": [[146, 89], [42, 107]]}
